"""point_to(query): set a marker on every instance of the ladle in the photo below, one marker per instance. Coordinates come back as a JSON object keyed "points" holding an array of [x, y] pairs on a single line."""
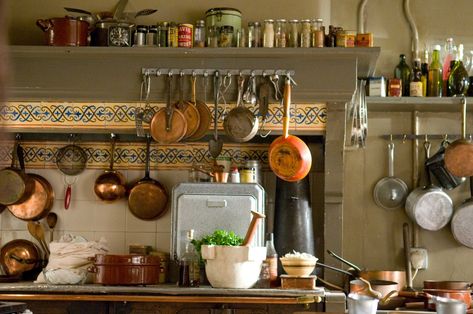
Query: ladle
{"points": [[250, 233], [51, 219], [215, 143]]}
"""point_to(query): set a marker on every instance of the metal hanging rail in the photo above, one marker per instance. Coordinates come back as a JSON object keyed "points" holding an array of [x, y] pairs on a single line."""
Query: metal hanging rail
{"points": [[405, 137], [176, 71]]}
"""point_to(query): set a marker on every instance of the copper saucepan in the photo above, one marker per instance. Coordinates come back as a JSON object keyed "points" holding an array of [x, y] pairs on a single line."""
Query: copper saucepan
{"points": [[19, 256], [15, 185], [110, 185]]}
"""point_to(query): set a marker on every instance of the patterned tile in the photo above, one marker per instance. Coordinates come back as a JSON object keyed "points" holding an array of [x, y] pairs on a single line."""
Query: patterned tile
{"points": [[120, 116], [132, 155]]}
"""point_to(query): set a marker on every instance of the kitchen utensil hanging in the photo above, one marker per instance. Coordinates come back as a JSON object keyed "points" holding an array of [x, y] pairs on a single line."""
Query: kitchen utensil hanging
{"points": [[462, 221], [263, 102], [390, 192], [71, 161], [215, 143], [429, 206], [289, 156], [358, 115], [204, 111], [190, 112]]}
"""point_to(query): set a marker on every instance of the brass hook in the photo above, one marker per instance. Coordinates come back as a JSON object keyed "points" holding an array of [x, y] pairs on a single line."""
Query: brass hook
{"points": [[404, 138], [391, 138]]}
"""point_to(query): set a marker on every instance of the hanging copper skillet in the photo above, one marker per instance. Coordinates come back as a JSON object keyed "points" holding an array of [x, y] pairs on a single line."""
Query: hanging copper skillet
{"points": [[168, 124], [188, 109], [204, 111], [148, 198], [459, 154], [289, 157], [15, 185], [110, 185]]}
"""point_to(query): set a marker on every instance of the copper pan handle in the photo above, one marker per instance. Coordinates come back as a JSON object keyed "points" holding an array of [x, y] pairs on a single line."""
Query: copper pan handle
{"points": [[45, 25]]}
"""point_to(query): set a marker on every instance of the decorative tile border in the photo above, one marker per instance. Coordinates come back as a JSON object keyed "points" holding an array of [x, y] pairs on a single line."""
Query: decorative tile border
{"points": [[37, 115], [132, 155]]}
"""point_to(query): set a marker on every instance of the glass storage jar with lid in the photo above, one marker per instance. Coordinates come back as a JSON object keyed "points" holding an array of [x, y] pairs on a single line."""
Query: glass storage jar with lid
{"points": [[280, 34], [268, 34], [294, 33]]}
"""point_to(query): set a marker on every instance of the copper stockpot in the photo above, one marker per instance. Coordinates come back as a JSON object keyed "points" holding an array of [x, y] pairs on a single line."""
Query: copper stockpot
{"points": [[126, 269], [19, 256], [64, 31]]}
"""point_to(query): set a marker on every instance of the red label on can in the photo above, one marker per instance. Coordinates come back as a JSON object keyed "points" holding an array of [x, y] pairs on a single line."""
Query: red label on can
{"points": [[184, 35]]}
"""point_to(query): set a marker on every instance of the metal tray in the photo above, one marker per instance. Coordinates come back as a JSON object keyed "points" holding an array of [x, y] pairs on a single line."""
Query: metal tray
{"points": [[206, 207]]}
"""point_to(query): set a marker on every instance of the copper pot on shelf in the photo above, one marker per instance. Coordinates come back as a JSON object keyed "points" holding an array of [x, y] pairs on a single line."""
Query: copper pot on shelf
{"points": [[64, 31]]}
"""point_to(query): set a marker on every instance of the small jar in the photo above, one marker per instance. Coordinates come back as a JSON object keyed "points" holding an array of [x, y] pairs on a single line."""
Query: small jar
{"points": [[294, 33], [241, 37], [258, 36], [268, 34], [234, 175], [305, 34], [173, 39], [140, 35], [280, 34], [152, 35], [199, 34], [162, 35], [254, 166], [251, 35], [319, 33], [226, 36]]}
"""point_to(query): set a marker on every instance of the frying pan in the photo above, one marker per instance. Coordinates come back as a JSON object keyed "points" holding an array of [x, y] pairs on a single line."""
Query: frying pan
{"points": [[204, 111], [459, 155], [168, 124], [390, 192], [429, 206], [188, 109], [39, 203], [241, 125], [462, 221], [15, 185], [289, 157], [110, 185], [148, 198]]}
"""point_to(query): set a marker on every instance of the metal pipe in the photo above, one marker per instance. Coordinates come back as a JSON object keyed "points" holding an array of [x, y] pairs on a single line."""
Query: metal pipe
{"points": [[413, 27], [361, 16], [415, 170]]}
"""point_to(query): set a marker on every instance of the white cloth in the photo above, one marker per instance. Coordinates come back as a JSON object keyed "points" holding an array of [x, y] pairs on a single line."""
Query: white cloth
{"points": [[71, 255]]}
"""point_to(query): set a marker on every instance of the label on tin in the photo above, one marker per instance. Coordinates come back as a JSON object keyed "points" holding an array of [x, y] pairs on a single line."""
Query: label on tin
{"points": [[184, 37], [172, 36]]}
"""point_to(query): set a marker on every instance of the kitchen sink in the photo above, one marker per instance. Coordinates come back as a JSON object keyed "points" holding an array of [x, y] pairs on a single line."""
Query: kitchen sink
{"points": [[402, 312]]}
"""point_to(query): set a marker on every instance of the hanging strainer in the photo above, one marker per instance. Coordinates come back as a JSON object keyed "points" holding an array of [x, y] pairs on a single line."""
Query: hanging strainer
{"points": [[71, 160]]}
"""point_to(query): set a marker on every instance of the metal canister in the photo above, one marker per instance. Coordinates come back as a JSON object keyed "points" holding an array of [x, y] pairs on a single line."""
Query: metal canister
{"points": [[224, 16], [152, 35], [99, 36], [255, 168], [163, 265], [185, 35], [139, 38], [172, 35]]}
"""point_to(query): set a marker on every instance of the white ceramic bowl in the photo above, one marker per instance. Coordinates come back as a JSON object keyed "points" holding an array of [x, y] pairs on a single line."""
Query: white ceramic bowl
{"points": [[298, 267]]}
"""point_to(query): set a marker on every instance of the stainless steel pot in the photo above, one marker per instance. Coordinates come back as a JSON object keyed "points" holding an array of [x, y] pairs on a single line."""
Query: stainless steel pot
{"points": [[462, 221], [429, 206]]}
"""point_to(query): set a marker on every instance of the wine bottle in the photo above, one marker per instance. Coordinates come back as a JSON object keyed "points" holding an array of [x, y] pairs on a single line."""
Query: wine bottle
{"points": [[458, 80], [403, 72], [272, 260], [435, 81], [448, 55], [416, 87], [425, 72]]}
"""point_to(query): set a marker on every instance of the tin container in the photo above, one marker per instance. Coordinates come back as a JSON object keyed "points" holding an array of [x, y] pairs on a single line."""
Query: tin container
{"points": [[377, 86], [364, 40], [163, 266], [224, 16], [394, 87], [173, 35], [185, 35]]}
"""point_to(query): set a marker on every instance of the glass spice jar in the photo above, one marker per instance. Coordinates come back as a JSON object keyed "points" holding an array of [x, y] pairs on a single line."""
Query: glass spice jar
{"points": [[212, 37], [294, 33], [226, 36], [268, 34], [319, 33], [258, 35], [280, 34], [199, 34], [251, 35], [162, 35], [305, 34]]}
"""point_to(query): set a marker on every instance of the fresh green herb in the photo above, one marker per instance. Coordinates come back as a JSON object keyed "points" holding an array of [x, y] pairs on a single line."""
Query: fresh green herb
{"points": [[219, 237]]}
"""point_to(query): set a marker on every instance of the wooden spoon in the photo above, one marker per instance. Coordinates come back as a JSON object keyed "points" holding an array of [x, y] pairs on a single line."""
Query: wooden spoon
{"points": [[51, 219], [37, 231]]}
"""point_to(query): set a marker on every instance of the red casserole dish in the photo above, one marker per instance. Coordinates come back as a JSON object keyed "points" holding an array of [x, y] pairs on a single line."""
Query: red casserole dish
{"points": [[126, 269]]}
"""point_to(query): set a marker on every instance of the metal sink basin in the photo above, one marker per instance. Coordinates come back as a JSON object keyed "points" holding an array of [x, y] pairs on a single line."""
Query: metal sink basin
{"points": [[402, 312]]}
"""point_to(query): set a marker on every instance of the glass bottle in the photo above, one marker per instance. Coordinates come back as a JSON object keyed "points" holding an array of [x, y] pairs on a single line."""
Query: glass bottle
{"points": [[258, 34], [425, 72], [280, 34], [305, 34], [458, 80], [330, 38], [251, 35], [448, 55], [268, 34], [272, 260], [294, 33], [212, 36], [241, 38], [319, 33], [416, 87], [403, 72], [434, 87], [189, 268], [199, 34]]}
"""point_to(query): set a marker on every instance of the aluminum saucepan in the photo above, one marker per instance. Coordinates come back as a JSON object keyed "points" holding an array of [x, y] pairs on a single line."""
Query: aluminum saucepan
{"points": [[462, 221]]}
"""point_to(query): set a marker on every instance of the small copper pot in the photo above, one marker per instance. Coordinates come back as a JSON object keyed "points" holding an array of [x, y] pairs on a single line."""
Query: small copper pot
{"points": [[65, 31]]}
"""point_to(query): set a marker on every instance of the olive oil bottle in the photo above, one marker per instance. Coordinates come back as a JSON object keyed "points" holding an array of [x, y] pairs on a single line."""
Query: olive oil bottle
{"points": [[458, 80], [403, 72], [435, 82]]}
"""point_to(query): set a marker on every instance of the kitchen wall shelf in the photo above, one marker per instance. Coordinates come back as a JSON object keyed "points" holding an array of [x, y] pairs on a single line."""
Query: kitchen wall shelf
{"points": [[114, 74], [407, 104]]}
